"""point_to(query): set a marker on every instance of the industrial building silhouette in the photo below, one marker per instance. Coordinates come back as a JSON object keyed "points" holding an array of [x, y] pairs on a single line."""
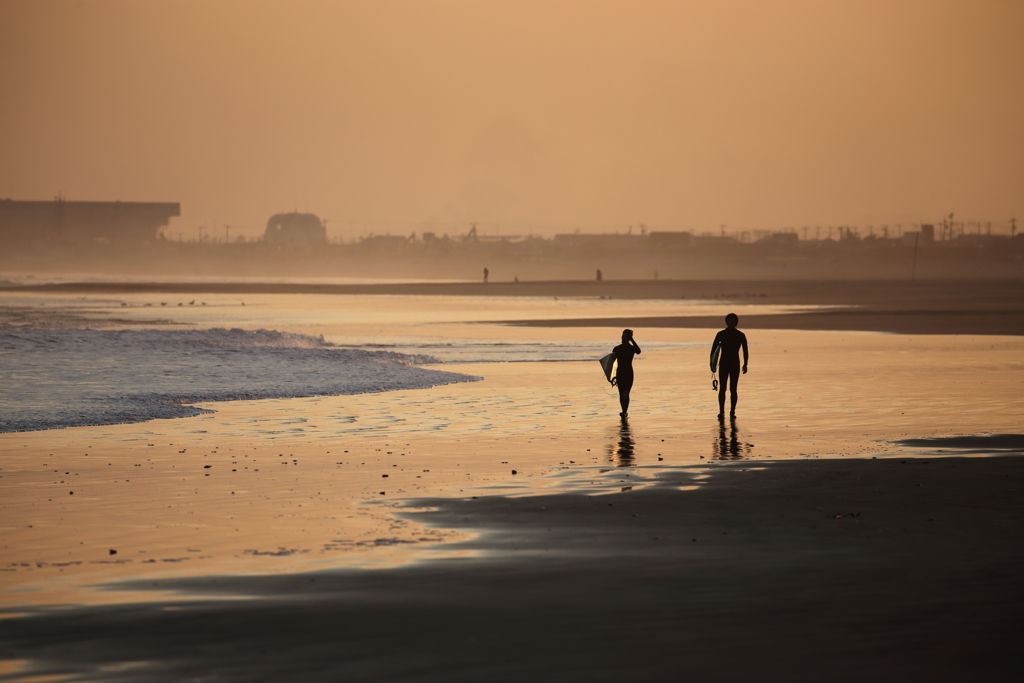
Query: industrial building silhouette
{"points": [[60, 220]]}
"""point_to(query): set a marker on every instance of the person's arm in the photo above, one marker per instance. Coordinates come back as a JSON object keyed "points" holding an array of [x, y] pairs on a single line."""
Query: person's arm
{"points": [[636, 347], [744, 342]]}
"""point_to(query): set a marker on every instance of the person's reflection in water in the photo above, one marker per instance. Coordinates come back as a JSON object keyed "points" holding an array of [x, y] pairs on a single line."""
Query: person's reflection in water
{"points": [[624, 449], [729, 447]]}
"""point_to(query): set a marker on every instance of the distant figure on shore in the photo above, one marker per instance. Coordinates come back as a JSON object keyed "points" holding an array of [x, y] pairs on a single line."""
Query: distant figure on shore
{"points": [[624, 353], [732, 340], [598, 274], [486, 273]]}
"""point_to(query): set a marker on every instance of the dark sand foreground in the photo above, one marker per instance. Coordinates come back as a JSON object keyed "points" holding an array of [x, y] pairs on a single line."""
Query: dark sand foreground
{"points": [[891, 570]]}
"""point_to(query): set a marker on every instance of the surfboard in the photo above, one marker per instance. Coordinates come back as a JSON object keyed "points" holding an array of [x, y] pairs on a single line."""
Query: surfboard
{"points": [[608, 365], [715, 355]]}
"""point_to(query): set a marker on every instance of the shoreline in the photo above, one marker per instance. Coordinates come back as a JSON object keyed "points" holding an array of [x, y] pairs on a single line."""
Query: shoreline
{"points": [[882, 294], [1004, 323], [928, 307]]}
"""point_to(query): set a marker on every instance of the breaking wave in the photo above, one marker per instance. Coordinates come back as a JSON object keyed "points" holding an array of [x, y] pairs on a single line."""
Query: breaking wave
{"points": [[73, 377]]}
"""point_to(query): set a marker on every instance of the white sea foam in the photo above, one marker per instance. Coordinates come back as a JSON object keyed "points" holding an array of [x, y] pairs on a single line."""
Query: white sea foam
{"points": [[73, 377]]}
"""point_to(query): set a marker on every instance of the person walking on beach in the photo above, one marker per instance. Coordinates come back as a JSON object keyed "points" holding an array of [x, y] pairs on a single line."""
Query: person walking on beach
{"points": [[624, 353], [732, 340]]}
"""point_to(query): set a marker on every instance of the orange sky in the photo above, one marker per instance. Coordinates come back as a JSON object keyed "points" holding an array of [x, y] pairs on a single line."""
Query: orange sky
{"points": [[538, 116]]}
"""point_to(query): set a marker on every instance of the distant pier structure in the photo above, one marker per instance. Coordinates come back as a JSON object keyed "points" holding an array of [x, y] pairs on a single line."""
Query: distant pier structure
{"points": [[60, 220]]}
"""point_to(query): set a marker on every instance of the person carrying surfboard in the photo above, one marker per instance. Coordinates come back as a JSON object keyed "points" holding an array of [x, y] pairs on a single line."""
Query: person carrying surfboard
{"points": [[624, 353], [731, 341]]}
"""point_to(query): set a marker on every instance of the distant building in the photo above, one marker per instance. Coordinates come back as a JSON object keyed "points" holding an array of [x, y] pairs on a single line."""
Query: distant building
{"points": [[295, 231], [781, 239], [612, 241], [384, 242], [32, 222], [670, 240], [709, 240]]}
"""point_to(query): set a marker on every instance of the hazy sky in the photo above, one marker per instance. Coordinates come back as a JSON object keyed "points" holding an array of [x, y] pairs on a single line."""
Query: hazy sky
{"points": [[535, 116]]}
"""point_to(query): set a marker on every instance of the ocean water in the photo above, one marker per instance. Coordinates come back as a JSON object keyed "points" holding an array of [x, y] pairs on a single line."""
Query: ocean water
{"points": [[69, 360], [74, 377]]}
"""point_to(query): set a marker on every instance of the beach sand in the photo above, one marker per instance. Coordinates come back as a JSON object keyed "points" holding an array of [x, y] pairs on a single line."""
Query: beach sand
{"points": [[514, 528]]}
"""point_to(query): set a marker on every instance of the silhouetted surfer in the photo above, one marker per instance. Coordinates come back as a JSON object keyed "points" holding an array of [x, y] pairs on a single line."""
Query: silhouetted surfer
{"points": [[624, 353], [732, 340]]}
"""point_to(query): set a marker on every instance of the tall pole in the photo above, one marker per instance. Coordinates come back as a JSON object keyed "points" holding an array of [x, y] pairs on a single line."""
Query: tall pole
{"points": [[913, 268]]}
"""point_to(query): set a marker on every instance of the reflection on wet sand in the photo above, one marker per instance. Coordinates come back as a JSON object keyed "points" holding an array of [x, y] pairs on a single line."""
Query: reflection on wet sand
{"points": [[728, 446], [623, 451]]}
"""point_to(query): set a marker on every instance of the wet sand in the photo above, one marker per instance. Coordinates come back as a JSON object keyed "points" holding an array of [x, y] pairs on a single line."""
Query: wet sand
{"points": [[811, 561], [994, 322], [868, 569]]}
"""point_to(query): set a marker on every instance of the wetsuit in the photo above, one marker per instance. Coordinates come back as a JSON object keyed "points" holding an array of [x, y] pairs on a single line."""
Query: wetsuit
{"points": [[624, 372], [732, 341]]}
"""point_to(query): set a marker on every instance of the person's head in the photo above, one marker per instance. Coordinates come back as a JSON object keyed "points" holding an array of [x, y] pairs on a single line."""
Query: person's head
{"points": [[732, 320], [627, 335]]}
